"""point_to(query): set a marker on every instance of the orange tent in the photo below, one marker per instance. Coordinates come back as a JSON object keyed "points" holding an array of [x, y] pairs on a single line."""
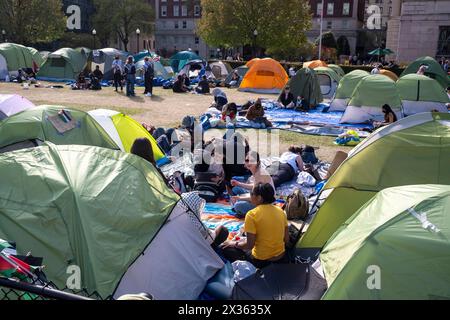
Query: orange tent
{"points": [[389, 74], [314, 64], [251, 62], [264, 76]]}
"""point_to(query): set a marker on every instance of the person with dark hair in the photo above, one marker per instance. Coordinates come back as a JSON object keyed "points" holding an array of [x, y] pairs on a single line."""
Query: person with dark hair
{"points": [[130, 72], [186, 81], [266, 228], [149, 74], [241, 200], [229, 113], [289, 165], [96, 77], [203, 86], [142, 147], [117, 67], [287, 98], [178, 85], [389, 117], [220, 99]]}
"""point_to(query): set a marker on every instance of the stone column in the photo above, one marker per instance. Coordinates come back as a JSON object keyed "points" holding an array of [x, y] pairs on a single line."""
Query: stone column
{"points": [[394, 30]]}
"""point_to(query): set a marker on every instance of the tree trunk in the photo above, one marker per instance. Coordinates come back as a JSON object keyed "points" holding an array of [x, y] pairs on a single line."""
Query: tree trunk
{"points": [[125, 44]]}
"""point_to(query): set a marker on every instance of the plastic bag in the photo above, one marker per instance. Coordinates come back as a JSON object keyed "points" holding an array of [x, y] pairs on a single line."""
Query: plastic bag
{"points": [[305, 179], [242, 270]]}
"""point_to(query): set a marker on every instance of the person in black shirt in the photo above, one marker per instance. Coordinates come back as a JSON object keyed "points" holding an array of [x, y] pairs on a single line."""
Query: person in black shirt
{"points": [[178, 86], [203, 86], [287, 98]]}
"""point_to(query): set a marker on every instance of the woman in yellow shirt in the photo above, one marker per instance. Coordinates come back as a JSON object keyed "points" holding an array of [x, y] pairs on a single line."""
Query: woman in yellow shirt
{"points": [[266, 228]]}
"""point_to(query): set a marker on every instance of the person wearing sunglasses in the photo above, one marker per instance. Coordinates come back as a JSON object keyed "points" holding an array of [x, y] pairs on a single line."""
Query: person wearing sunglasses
{"points": [[266, 229], [241, 199]]}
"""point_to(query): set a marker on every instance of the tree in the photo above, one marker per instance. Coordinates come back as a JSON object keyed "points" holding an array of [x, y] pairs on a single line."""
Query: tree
{"points": [[281, 28], [32, 21], [122, 18]]}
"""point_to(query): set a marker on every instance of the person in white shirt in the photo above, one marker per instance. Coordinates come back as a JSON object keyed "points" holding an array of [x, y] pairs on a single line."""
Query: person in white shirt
{"points": [[289, 165]]}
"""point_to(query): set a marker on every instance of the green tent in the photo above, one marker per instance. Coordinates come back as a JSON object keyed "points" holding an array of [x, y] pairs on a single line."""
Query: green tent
{"points": [[179, 60], [18, 56], [414, 150], [33, 126], [421, 94], [345, 89], [90, 207], [337, 69], [306, 83], [328, 80], [63, 65], [371, 93], [395, 247], [434, 70]]}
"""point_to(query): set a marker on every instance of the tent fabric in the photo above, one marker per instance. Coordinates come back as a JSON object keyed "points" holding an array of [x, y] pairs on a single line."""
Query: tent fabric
{"points": [[389, 74], [178, 61], [34, 124], [242, 71], [389, 231], [314, 64], [345, 89], [329, 80], [305, 83], [414, 150], [13, 103], [124, 130], [63, 65], [177, 264], [421, 94], [18, 57], [265, 76], [220, 69], [3, 68], [91, 207], [104, 59], [160, 70], [434, 70], [337, 69], [369, 96]]}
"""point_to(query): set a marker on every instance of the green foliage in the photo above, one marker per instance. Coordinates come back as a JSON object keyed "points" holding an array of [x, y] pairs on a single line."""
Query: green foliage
{"points": [[281, 26], [76, 40], [121, 18], [32, 21]]}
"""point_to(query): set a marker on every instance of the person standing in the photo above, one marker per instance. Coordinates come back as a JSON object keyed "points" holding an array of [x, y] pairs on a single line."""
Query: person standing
{"points": [[117, 67], [130, 72], [149, 74]]}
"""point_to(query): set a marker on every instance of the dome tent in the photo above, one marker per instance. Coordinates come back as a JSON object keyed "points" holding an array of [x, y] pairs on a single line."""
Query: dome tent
{"points": [[314, 64], [421, 94], [369, 96], [402, 224], [242, 71], [179, 60], [345, 89], [34, 125], [264, 76], [337, 69], [329, 81], [389, 74], [63, 65], [104, 59], [11, 104], [109, 213], [220, 69], [434, 70], [414, 150], [15, 56], [306, 84]]}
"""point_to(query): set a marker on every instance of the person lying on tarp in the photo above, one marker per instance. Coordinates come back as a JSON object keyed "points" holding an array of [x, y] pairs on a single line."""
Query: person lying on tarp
{"points": [[266, 229], [241, 200], [287, 168], [287, 98]]}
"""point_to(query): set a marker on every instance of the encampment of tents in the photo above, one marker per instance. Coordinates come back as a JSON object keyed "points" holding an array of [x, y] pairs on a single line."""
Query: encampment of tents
{"points": [[15, 56], [329, 81], [195, 69], [124, 130], [11, 104], [414, 150], [306, 84], [403, 233], [433, 70], [160, 70], [104, 59], [314, 64], [265, 76], [345, 89], [108, 213], [421, 94], [179, 60], [48, 123], [63, 65], [369, 96], [220, 69], [337, 69]]}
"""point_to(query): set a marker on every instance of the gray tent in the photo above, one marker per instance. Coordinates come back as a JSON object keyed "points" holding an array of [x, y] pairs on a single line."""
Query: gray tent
{"points": [[104, 58], [306, 84]]}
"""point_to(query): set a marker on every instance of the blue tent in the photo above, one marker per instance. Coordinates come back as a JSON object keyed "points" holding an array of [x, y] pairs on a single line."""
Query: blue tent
{"points": [[179, 60]]}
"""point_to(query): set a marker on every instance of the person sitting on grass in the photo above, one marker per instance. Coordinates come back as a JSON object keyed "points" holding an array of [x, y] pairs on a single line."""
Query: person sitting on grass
{"points": [[266, 228], [203, 86], [220, 99], [178, 85]]}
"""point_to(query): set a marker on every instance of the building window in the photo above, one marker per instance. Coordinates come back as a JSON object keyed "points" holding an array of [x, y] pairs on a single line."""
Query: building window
{"points": [[176, 11], [381, 10], [319, 8], [197, 10], [184, 24], [184, 11], [344, 24], [197, 40], [163, 11], [176, 25], [390, 11], [330, 9], [329, 24], [346, 9]]}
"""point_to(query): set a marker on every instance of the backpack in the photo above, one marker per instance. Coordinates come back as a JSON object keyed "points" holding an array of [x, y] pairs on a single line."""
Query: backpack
{"points": [[297, 206]]}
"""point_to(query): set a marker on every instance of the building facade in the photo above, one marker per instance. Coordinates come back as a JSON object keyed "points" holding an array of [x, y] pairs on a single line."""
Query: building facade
{"points": [[418, 28], [175, 28], [341, 17]]}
